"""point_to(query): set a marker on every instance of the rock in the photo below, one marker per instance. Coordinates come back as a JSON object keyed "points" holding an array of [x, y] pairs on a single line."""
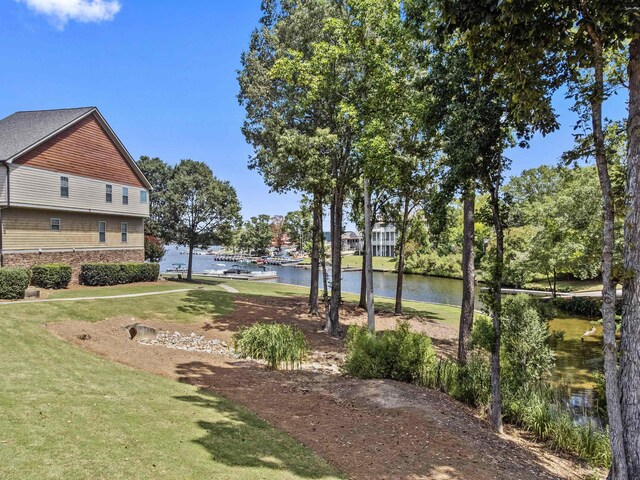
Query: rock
{"points": [[84, 336], [32, 293]]}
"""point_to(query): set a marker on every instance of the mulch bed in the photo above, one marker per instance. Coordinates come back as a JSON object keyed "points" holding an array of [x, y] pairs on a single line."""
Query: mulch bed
{"points": [[374, 429]]}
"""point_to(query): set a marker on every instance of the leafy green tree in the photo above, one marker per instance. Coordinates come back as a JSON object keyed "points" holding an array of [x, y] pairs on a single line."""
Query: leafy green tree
{"points": [[158, 173], [538, 46], [201, 209], [297, 225], [327, 80], [256, 235], [290, 134]]}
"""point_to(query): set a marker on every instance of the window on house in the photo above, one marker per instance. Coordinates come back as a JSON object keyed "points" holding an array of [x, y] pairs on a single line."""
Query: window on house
{"points": [[102, 232], [143, 196], [124, 231], [64, 187], [55, 224], [125, 196], [109, 193]]}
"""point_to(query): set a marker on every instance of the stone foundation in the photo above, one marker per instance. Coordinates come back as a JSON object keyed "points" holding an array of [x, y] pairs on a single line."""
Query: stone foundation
{"points": [[75, 259]]}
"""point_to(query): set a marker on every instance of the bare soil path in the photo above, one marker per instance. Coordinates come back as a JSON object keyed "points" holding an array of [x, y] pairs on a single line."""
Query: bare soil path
{"points": [[368, 429]]}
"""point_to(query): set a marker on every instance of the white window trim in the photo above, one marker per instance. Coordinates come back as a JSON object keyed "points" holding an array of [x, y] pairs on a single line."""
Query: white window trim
{"points": [[51, 224], [124, 230], [61, 186], [125, 189], [146, 197], [100, 223], [108, 192]]}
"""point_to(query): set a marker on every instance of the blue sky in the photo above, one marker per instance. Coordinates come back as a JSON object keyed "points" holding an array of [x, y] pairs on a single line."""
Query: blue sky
{"points": [[163, 73]]}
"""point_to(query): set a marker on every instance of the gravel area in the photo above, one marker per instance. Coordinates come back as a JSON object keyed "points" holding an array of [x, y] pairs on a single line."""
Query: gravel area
{"points": [[190, 343]]}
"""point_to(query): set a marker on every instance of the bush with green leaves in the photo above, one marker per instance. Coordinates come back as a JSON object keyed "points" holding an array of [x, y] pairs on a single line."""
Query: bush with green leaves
{"points": [[526, 355], [470, 383], [51, 275], [432, 263], [102, 274], [528, 358], [395, 354], [13, 282], [585, 306], [279, 345]]}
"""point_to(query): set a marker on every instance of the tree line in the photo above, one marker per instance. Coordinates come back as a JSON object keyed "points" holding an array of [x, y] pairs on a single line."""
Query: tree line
{"points": [[366, 103]]}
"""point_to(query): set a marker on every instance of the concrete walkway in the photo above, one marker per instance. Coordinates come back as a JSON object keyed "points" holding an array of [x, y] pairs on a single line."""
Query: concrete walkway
{"points": [[227, 288], [106, 297]]}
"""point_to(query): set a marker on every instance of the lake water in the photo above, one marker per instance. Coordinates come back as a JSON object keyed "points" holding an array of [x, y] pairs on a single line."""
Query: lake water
{"points": [[577, 357], [416, 287]]}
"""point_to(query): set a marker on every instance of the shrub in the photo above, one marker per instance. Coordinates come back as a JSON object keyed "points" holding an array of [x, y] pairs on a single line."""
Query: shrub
{"points": [[13, 282], [154, 249], [277, 344], [526, 353], [101, 274], [432, 263], [52, 275], [585, 306], [395, 354]]}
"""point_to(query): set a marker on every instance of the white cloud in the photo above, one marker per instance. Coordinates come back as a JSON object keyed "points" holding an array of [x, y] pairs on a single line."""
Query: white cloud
{"points": [[61, 11]]}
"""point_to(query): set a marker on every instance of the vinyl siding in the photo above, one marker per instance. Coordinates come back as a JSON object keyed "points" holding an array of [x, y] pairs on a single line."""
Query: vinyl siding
{"points": [[83, 149], [30, 229], [3, 185], [38, 188]]}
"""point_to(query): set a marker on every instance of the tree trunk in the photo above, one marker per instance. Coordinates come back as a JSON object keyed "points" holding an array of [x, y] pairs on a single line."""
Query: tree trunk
{"points": [[496, 310], [371, 320], [468, 273], [337, 202], [325, 287], [630, 343], [363, 279], [190, 262], [403, 240], [315, 256], [616, 426]]}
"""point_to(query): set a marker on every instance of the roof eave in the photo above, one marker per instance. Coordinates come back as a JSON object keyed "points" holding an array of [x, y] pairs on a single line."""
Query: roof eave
{"points": [[47, 137], [107, 128]]}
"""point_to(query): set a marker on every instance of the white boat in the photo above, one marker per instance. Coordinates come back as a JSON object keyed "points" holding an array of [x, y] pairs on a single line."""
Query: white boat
{"points": [[177, 268], [210, 273]]}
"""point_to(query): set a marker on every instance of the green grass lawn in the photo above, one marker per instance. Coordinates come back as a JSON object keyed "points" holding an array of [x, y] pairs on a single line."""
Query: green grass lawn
{"points": [[355, 261], [445, 313], [69, 414], [569, 285], [117, 290]]}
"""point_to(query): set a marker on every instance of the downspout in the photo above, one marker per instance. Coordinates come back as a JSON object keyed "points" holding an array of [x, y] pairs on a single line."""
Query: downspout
{"points": [[6, 165]]}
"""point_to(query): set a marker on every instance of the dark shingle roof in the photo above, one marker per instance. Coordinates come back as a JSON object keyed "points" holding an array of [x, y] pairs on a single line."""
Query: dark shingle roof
{"points": [[23, 129]]}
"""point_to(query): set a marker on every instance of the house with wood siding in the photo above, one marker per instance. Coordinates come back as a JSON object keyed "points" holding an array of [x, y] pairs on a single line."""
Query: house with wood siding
{"points": [[70, 192]]}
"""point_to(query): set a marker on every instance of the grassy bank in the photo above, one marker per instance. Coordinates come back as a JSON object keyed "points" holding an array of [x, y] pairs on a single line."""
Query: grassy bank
{"points": [[386, 264], [67, 413]]}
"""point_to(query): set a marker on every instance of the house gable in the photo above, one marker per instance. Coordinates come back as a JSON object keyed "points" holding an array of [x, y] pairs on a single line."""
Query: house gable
{"points": [[84, 149]]}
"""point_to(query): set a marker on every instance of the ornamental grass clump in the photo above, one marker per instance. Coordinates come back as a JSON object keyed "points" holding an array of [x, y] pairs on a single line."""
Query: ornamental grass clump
{"points": [[279, 345]]}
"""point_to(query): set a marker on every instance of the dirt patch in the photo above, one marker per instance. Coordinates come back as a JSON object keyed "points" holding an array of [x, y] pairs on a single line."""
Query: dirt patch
{"points": [[368, 429]]}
